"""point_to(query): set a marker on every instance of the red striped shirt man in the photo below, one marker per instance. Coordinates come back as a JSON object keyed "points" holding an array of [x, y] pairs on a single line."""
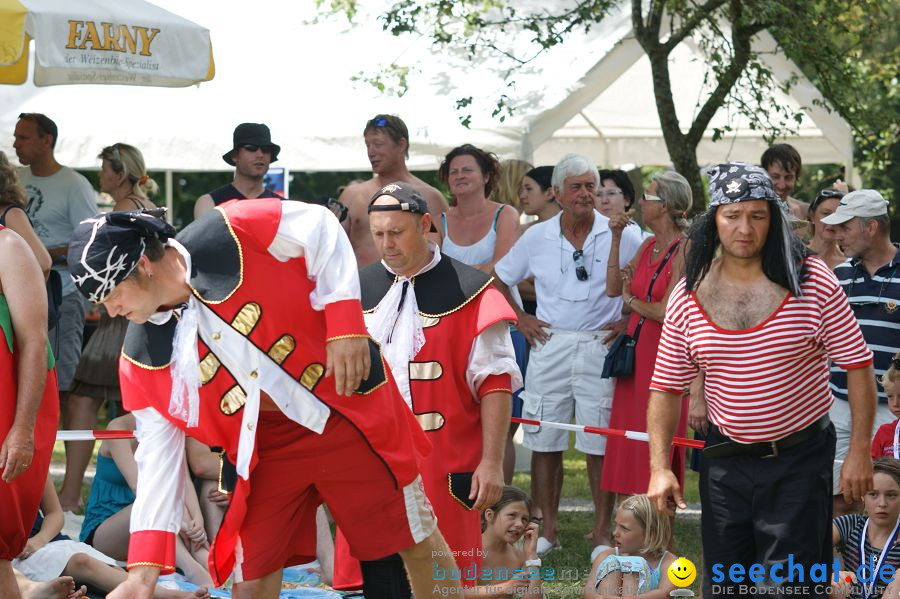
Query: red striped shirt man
{"points": [[759, 318], [764, 382]]}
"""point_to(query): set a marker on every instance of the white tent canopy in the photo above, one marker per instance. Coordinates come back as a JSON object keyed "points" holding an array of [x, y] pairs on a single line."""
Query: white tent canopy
{"points": [[591, 94]]}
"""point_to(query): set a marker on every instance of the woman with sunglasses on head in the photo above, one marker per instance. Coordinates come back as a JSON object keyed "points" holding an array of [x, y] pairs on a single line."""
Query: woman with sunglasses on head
{"points": [[476, 231], [123, 177], [823, 241], [645, 284]]}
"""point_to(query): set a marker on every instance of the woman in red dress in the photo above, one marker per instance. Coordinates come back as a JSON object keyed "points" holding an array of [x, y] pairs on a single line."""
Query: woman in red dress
{"points": [[660, 261]]}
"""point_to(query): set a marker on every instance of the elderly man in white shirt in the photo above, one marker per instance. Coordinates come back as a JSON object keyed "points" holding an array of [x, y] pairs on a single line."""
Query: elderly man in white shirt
{"points": [[567, 256]]}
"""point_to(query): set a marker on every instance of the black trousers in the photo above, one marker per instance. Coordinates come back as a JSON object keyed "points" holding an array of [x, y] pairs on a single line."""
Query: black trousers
{"points": [[771, 511], [385, 578]]}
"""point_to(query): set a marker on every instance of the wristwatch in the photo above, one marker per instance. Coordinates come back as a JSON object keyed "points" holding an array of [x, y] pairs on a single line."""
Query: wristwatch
{"points": [[533, 562]]}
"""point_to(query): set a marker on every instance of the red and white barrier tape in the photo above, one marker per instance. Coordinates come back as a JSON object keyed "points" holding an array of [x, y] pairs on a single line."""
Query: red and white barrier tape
{"points": [[101, 435], [94, 435], [609, 432]]}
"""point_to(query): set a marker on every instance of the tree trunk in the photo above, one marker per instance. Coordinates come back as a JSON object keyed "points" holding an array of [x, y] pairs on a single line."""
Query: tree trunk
{"points": [[684, 158], [680, 147]]}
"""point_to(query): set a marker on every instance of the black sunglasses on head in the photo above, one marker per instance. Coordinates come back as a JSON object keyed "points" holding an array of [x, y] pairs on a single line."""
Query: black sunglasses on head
{"points": [[825, 194]]}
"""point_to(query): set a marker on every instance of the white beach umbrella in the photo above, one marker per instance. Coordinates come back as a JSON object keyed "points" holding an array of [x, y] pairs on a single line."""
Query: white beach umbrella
{"points": [[123, 42]]}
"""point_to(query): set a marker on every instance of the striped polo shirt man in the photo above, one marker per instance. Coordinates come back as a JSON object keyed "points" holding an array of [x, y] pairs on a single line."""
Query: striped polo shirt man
{"points": [[871, 280], [875, 300]]}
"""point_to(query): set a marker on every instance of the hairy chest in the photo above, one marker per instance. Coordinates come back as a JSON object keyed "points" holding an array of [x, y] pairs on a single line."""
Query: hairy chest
{"points": [[739, 307]]}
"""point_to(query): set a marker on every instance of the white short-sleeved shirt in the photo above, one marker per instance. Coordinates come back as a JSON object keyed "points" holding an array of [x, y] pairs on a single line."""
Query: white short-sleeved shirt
{"points": [[56, 204], [544, 253]]}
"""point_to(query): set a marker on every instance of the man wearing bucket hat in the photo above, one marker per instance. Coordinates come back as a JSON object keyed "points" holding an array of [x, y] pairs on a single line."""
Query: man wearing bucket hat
{"points": [[247, 333], [760, 318], [871, 279], [250, 155]]}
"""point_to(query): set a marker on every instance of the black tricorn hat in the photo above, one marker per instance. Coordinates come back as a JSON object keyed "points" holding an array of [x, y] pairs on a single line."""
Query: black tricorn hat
{"points": [[256, 134]]}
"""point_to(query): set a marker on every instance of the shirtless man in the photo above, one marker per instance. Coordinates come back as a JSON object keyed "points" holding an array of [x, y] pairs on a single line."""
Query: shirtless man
{"points": [[387, 144], [782, 163]]}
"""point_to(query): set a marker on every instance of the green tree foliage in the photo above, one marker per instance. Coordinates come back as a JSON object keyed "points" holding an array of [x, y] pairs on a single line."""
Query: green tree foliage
{"points": [[851, 51], [847, 48]]}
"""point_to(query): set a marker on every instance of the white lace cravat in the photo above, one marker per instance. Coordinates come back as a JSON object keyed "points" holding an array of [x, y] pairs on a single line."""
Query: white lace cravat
{"points": [[184, 402], [396, 325]]}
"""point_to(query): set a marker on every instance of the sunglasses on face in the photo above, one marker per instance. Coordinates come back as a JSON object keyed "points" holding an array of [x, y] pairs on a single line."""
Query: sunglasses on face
{"points": [[254, 148], [580, 271], [651, 198]]}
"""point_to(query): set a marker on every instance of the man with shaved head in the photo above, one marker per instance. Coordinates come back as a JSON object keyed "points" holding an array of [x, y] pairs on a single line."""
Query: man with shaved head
{"points": [[444, 331]]}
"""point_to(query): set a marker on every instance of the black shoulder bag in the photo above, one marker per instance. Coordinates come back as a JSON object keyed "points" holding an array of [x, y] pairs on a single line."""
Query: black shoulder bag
{"points": [[619, 360]]}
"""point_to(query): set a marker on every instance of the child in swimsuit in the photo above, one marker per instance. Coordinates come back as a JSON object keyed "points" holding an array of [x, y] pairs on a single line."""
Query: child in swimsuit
{"points": [[636, 565]]}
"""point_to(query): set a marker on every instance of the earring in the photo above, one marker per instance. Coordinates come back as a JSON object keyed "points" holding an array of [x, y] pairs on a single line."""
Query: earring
{"points": [[149, 274]]}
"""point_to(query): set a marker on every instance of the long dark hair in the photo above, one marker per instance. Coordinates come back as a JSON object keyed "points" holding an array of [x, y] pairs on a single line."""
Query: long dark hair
{"points": [[783, 254]]}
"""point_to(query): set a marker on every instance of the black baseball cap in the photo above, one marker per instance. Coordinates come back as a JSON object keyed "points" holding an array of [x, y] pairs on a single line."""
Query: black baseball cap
{"points": [[408, 200]]}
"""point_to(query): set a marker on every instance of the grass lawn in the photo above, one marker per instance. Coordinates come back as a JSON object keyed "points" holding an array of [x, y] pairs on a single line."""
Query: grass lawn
{"points": [[571, 562]]}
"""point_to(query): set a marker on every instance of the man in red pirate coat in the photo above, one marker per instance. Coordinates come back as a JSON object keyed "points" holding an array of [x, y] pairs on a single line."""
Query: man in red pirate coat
{"points": [[29, 404], [247, 333], [444, 331]]}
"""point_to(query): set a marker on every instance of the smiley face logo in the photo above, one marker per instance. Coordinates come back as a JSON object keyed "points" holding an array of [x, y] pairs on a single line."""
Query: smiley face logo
{"points": [[682, 572]]}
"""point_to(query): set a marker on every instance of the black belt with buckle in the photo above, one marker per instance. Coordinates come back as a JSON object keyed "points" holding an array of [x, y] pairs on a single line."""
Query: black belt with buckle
{"points": [[766, 449]]}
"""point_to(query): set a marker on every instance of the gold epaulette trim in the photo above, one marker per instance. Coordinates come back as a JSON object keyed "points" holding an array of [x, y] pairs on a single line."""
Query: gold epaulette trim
{"points": [[498, 390], [144, 366], [219, 487], [426, 314], [150, 564], [351, 336], [455, 498], [240, 259], [462, 305]]}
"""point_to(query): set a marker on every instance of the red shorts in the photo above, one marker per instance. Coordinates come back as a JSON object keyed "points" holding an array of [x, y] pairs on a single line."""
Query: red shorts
{"points": [[299, 469]]}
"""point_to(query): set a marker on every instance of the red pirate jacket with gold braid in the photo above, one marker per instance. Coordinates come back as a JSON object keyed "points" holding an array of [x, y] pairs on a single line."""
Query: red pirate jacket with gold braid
{"points": [[456, 303], [266, 301]]}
